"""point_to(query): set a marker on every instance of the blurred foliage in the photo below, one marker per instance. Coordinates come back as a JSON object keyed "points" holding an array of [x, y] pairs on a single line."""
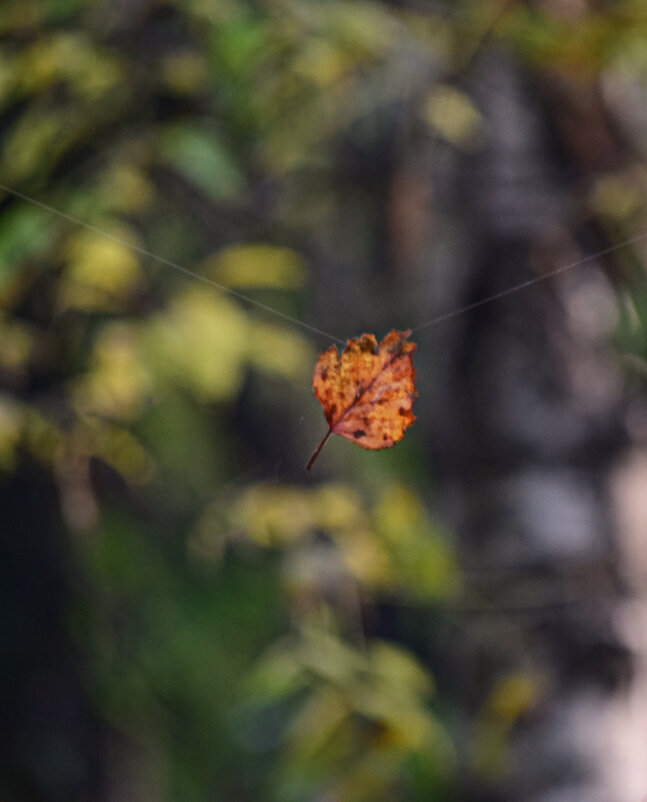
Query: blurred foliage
{"points": [[221, 607]]}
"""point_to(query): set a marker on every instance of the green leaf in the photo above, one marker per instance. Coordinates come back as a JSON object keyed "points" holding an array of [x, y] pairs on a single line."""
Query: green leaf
{"points": [[203, 160]]}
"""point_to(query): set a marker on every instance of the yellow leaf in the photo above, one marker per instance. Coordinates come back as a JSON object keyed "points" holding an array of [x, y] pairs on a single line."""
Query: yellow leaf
{"points": [[277, 350], [257, 265], [273, 515], [200, 341], [100, 274], [512, 696], [118, 382], [127, 189], [453, 115]]}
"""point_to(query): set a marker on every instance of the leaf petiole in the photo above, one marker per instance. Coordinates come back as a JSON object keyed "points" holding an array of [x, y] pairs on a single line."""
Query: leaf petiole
{"points": [[315, 453]]}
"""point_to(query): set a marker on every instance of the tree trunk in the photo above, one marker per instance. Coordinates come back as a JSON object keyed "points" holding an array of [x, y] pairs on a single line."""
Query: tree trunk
{"points": [[528, 410]]}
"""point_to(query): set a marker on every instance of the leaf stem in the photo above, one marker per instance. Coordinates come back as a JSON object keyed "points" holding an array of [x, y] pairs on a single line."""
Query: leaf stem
{"points": [[315, 453]]}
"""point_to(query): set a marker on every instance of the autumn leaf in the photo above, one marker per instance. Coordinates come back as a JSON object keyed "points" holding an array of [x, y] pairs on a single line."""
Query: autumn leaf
{"points": [[367, 392]]}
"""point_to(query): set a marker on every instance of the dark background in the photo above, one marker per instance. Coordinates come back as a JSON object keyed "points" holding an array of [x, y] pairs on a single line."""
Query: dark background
{"points": [[185, 613]]}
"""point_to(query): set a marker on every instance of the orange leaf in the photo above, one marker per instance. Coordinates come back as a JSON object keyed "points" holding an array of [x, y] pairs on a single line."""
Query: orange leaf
{"points": [[367, 392]]}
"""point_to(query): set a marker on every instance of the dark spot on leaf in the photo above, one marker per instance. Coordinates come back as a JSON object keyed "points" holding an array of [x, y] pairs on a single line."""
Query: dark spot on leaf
{"points": [[385, 437], [359, 433], [324, 374], [403, 411]]}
